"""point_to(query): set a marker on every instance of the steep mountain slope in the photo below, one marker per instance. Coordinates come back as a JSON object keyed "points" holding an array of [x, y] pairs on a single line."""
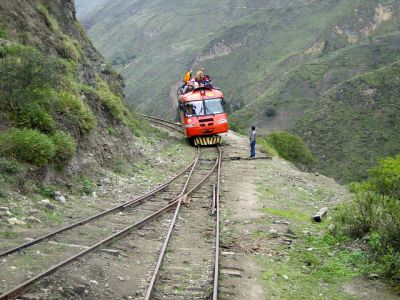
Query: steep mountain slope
{"points": [[274, 60], [56, 93]]}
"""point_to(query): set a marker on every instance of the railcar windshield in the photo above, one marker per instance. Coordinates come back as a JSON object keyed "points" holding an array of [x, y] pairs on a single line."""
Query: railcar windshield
{"points": [[194, 108], [201, 108], [214, 106]]}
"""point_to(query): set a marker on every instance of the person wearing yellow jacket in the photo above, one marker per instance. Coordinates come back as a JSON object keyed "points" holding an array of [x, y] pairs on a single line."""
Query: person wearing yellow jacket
{"points": [[187, 77]]}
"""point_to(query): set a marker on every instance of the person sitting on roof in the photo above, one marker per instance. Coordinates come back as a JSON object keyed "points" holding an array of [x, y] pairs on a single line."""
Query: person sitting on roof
{"points": [[189, 86], [199, 76], [187, 77], [207, 82]]}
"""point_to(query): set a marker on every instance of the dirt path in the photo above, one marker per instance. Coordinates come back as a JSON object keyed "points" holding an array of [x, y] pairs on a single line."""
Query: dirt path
{"points": [[271, 248]]}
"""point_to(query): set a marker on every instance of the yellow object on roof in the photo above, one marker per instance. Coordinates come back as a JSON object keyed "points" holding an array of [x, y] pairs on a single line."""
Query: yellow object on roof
{"points": [[187, 77]]}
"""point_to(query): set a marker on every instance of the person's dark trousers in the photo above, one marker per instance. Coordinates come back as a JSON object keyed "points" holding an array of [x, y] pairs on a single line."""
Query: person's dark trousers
{"points": [[253, 149]]}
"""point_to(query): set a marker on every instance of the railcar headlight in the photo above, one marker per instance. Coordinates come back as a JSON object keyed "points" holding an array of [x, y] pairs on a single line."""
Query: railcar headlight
{"points": [[222, 121]]}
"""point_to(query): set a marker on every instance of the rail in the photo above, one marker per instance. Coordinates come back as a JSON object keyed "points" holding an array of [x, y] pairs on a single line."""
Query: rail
{"points": [[157, 268], [130, 203], [19, 290], [162, 122]]}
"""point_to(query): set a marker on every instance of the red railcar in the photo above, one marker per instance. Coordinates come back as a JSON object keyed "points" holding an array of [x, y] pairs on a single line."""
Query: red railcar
{"points": [[202, 115]]}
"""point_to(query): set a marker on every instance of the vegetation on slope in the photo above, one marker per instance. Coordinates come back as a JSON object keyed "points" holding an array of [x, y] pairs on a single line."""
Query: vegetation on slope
{"points": [[53, 97], [373, 216], [356, 122]]}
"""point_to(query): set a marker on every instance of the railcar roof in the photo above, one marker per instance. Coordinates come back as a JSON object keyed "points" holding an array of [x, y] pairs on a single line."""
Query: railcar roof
{"points": [[197, 94]]}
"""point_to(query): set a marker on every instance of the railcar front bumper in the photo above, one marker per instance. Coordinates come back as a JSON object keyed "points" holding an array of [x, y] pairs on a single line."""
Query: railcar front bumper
{"points": [[207, 140]]}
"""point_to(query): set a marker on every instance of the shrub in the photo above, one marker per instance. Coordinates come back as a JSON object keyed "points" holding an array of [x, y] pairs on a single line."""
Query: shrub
{"points": [[47, 191], [291, 147], [11, 49], [71, 48], [358, 217], [270, 112], [10, 166], [28, 145], [111, 101], [50, 20], [25, 70], [267, 147], [33, 115], [374, 210], [88, 186], [385, 178], [65, 147], [76, 110]]}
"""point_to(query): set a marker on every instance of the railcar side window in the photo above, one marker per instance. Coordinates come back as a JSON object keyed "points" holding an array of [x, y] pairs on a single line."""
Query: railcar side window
{"points": [[214, 106]]}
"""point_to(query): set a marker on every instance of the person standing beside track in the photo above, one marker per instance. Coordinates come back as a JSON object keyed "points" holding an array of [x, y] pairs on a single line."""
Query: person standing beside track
{"points": [[252, 138]]}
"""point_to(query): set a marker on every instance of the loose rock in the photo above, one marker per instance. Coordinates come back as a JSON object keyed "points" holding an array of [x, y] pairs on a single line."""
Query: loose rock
{"points": [[5, 213], [33, 220], [80, 289], [373, 276], [273, 233], [46, 203], [15, 221], [93, 282], [59, 197], [32, 211]]}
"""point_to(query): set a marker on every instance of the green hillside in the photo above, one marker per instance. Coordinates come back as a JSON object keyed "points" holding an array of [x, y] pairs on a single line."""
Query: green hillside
{"points": [[152, 43], [83, 7], [278, 63]]}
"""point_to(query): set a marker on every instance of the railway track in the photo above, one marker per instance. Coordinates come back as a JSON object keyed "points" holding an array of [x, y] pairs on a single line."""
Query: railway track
{"points": [[185, 272], [162, 122], [150, 212]]}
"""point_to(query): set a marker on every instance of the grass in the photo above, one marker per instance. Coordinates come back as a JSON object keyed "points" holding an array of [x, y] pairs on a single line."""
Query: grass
{"points": [[121, 166], [111, 101], [301, 271], [54, 217], [75, 111], [288, 214], [3, 32], [8, 234], [310, 261], [10, 167], [267, 147], [324, 261]]}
